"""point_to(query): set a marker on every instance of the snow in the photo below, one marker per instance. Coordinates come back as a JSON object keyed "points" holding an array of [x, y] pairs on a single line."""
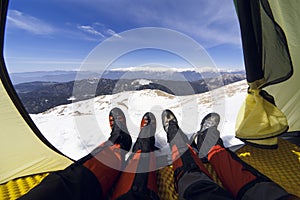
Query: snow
{"points": [[72, 98], [141, 82], [77, 128]]}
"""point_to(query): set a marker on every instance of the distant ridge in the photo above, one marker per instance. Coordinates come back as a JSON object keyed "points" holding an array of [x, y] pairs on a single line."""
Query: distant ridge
{"points": [[39, 96], [175, 74]]}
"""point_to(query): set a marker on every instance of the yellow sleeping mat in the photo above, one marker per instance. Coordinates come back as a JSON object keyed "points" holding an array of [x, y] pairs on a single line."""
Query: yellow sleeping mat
{"points": [[282, 165]]}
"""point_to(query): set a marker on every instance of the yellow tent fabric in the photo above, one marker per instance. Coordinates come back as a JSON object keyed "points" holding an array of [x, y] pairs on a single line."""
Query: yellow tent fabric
{"points": [[259, 119], [22, 152], [276, 45], [287, 94]]}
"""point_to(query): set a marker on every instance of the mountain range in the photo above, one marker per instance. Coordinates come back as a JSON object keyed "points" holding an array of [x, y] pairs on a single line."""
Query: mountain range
{"points": [[175, 74], [38, 96]]}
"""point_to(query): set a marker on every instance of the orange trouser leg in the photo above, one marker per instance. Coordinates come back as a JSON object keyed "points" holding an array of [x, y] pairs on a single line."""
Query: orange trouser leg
{"points": [[106, 166], [191, 178], [138, 181], [231, 172], [186, 160], [242, 180]]}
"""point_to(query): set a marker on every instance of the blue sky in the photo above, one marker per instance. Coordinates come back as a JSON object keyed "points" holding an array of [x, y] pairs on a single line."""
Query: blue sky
{"points": [[59, 35]]}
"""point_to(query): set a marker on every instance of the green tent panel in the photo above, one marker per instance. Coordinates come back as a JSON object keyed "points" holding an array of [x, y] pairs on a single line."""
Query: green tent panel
{"points": [[24, 150], [287, 93], [270, 38]]}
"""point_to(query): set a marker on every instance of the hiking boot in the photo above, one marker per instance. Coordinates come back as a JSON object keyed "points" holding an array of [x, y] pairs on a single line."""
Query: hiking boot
{"points": [[210, 120], [148, 120], [170, 124], [146, 139], [119, 132], [208, 135], [117, 120], [171, 127]]}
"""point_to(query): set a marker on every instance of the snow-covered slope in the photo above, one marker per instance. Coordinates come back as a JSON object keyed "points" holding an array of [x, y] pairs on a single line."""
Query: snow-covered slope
{"points": [[75, 129]]}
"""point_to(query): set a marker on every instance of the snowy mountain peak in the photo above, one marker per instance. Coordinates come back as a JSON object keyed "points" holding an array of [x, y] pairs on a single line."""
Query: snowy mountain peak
{"points": [[77, 128]]}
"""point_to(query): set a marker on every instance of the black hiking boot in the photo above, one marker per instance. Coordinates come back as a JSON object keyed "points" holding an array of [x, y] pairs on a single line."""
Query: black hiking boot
{"points": [[117, 120], [207, 136], [174, 134], [119, 132], [146, 139]]}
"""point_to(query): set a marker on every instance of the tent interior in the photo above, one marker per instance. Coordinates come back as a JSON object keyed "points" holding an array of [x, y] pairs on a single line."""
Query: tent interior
{"points": [[273, 42]]}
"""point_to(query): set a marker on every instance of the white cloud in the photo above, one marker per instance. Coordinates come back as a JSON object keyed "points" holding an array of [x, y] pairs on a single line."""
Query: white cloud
{"points": [[20, 20], [90, 29], [28, 23], [113, 33], [98, 29]]}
